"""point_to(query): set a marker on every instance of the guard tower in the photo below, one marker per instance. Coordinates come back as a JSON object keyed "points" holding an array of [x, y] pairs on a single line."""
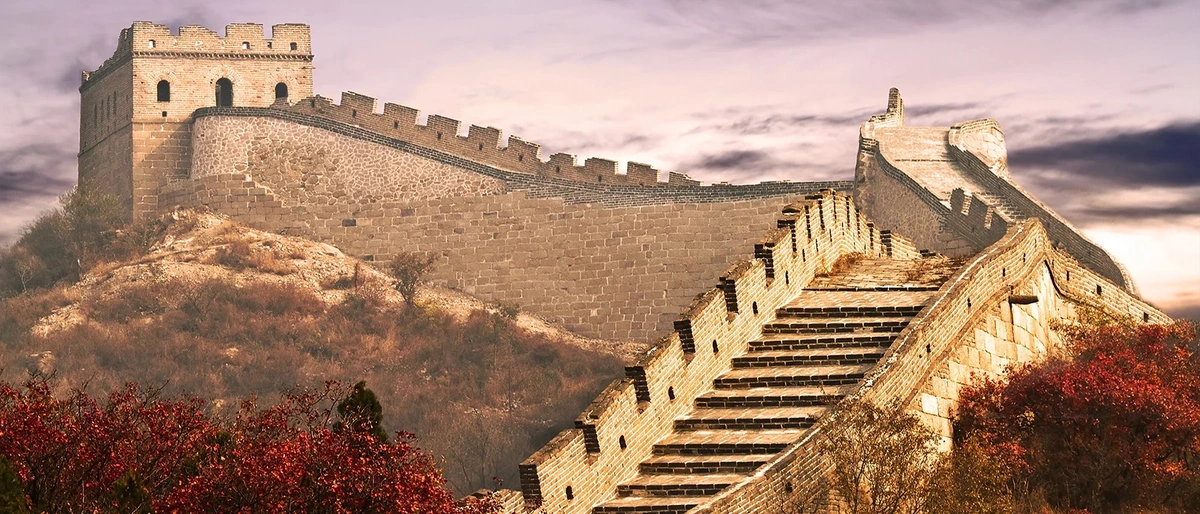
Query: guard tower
{"points": [[136, 109]]}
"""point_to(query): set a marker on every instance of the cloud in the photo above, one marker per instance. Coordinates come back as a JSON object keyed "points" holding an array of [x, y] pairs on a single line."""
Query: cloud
{"points": [[732, 160], [31, 177], [1164, 156], [769, 21]]}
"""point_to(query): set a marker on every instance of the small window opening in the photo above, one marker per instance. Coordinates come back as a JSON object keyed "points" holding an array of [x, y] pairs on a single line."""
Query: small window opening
{"points": [[164, 114], [520, 157], [481, 147], [570, 493], [1099, 290], [715, 348], [754, 307], [281, 91], [151, 43], [1022, 257], [164, 91], [312, 103], [1145, 317], [803, 257], [270, 45], [787, 278], [968, 303], [787, 487], [1068, 274], [293, 46], [439, 136], [558, 169], [599, 178], [670, 393], [621, 441], [1003, 272], [245, 45], [224, 93], [395, 124]]}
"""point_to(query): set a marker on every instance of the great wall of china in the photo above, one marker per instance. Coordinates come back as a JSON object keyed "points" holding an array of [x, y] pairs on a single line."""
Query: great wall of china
{"points": [[720, 415]]}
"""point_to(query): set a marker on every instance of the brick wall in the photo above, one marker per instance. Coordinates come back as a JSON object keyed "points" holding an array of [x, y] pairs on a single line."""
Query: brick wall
{"points": [[715, 327], [970, 327], [605, 260], [153, 133]]}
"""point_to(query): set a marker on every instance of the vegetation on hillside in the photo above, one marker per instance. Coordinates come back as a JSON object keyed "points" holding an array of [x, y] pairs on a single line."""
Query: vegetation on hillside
{"points": [[1112, 427], [139, 452], [222, 312]]}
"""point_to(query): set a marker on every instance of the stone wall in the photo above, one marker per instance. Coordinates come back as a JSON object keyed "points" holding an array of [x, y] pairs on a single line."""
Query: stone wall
{"points": [[605, 260], [971, 327], [155, 145], [716, 327]]}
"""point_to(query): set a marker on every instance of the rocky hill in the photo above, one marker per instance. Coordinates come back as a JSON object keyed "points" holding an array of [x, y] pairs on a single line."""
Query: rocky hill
{"points": [[223, 312]]}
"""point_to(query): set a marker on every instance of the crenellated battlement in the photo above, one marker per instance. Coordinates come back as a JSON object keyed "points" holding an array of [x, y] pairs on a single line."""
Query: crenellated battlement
{"points": [[619, 429], [977, 216], [479, 144], [290, 41]]}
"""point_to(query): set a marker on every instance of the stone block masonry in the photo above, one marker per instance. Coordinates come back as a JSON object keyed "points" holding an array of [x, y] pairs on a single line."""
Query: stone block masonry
{"points": [[605, 260]]}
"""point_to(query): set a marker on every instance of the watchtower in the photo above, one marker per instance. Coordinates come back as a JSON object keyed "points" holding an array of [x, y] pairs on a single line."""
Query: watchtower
{"points": [[136, 109]]}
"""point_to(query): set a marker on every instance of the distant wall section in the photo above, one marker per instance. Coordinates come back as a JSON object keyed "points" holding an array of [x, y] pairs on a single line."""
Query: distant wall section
{"points": [[609, 261]]}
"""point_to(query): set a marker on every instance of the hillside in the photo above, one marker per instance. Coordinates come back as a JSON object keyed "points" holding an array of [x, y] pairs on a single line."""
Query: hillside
{"points": [[223, 312]]}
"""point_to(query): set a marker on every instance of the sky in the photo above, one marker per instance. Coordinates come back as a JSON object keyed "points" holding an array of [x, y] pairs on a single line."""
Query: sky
{"points": [[1099, 99]]}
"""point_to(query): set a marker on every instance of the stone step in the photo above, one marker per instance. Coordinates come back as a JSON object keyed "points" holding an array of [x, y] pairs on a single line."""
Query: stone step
{"points": [[792, 376], [693, 464], [749, 418], [650, 505], [846, 312], [777, 342], [770, 397], [727, 442], [836, 325], [843, 356], [678, 485]]}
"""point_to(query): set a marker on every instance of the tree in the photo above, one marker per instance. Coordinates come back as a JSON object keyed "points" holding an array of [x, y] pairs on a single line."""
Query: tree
{"points": [[1113, 428], [882, 457], [361, 411], [138, 452], [409, 270], [12, 495]]}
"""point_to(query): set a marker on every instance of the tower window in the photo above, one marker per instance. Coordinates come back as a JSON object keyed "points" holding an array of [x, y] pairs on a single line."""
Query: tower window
{"points": [[281, 91], [245, 45], [150, 44], [293, 46], [224, 93], [164, 91]]}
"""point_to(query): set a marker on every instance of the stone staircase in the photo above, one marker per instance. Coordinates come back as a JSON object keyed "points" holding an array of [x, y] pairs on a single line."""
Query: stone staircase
{"points": [[815, 350]]}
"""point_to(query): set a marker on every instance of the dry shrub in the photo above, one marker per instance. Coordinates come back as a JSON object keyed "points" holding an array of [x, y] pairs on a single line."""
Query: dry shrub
{"points": [[234, 255], [842, 264], [268, 261], [19, 314], [449, 381], [919, 271]]}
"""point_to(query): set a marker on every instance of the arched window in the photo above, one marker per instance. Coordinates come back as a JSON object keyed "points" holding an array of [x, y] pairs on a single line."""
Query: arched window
{"points": [[224, 93], [280, 91], [164, 91]]}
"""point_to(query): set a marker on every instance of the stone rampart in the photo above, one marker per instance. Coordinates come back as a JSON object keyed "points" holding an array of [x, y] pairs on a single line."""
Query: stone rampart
{"points": [[605, 260], [974, 144], [980, 321], [480, 144], [583, 465]]}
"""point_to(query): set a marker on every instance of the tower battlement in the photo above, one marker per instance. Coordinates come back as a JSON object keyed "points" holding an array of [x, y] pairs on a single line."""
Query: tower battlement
{"points": [[290, 41]]}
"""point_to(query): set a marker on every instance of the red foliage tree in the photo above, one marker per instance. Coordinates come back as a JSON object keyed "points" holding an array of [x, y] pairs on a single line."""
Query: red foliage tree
{"points": [[141, 453], [1115, 427]]}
